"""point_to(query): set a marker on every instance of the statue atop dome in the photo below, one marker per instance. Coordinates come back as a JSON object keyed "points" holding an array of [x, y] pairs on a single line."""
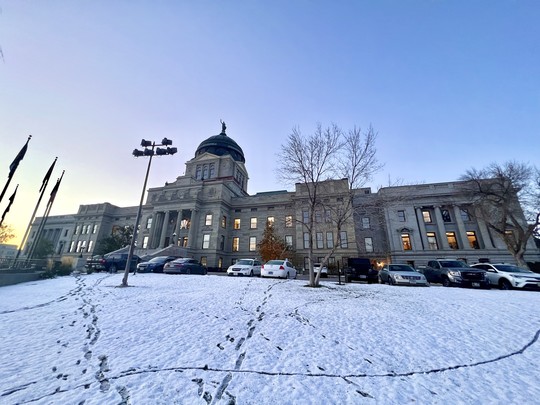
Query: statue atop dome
{"points": [[223, 127]]}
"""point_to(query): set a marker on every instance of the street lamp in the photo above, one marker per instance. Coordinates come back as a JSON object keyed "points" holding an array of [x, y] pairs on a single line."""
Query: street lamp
{"points": [[149, 150]]}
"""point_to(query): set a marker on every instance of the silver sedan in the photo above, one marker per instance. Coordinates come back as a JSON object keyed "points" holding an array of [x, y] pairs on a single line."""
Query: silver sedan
{"points": [[401, 274]]}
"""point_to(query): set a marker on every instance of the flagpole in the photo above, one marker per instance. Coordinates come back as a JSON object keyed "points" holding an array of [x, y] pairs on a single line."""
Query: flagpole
{"points": [[45, 217], [11, 199], [42, 192], [14, 165]]}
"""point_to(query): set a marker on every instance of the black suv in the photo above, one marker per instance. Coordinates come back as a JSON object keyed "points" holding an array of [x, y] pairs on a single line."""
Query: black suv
{"points": [[113, 262], [450, 272], [360, 269]]}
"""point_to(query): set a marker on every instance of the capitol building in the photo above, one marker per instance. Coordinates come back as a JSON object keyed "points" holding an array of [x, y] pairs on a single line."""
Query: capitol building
{"points": [[208, 214]]}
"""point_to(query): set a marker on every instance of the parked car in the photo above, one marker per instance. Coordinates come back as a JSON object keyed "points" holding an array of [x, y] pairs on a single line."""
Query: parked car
{"points": [[401, 274], [278, 268], [155, 265], [360, 269], [117, 261], [506, 276], [245, 267], [323, 269], [451, 272], [184, 265], [95, 263]]}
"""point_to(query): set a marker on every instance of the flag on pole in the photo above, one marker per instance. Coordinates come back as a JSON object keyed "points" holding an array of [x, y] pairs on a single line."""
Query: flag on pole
{"points": [[13, 166], [11, 199], [55, 189], [47, 176]]}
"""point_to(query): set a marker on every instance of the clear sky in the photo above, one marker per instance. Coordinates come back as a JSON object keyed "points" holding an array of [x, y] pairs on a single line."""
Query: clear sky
{"points": [[448, 85]]}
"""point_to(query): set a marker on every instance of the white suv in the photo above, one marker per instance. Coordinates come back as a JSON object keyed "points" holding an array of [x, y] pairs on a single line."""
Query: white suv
{"points": [[245, 267], [506, 276]]}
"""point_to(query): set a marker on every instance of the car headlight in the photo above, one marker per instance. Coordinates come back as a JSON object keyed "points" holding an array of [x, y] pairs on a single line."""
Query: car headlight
{"points": [[397, 277], [454, 273]]}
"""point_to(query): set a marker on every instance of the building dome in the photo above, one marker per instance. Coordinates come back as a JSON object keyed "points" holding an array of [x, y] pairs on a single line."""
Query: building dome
{"points": [[221, 145]]}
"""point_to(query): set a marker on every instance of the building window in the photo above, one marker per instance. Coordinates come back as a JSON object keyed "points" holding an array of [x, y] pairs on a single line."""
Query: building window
{"points": [[222, 242], [406, 241], [306, 240], [446, 216], [235, 244], [149, 223], [343, 239], [473, 241], [252, 243], [305, 216], [270, 221], [427, 216], [204, 261], [401, 215], [288, 221], [327, 216], [329, 240], [206, 241], [452, 241], [223, 221], [465, 215], [368, 242], [184, 242], [145, 242], [318, 216], [220, 263], [90, 245], [95, 229], [432, 241], [198, 173], [76, 230], [208, 220], [212, 170], [253, 223], [237, 223], [288, 240], [365, 223], [205, 172], [320, 240]]}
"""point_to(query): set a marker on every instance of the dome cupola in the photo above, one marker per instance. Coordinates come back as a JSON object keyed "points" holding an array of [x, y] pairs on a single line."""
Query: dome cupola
{"points": [[221, 145]]}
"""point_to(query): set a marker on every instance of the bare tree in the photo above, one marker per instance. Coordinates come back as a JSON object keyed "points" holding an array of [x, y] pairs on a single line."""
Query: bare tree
{"points": [[6, 233], [507, 198], [313, 160]]}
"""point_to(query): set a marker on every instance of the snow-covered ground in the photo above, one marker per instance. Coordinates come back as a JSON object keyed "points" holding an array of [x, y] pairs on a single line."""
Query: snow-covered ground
{"points": [[218, 340]]}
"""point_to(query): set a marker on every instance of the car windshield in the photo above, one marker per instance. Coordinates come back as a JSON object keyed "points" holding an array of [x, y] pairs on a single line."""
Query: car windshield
{"points": [[247, 262], [397, 267], [182, 260], [511, 269], [453, 263], [280, 262]]}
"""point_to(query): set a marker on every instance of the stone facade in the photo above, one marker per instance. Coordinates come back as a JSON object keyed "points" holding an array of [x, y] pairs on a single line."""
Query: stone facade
{"points": [[209, 213]]}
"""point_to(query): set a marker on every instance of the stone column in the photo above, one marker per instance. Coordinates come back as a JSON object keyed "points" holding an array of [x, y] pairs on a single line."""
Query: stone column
{"points": [[177, 227], [422, 227], [192, 229], [441, 228], [486, 236], [155, 229], [164, 229], [461, 228]]}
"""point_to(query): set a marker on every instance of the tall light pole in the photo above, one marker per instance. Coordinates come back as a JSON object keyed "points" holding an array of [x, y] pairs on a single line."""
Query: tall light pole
{"points": [[149, 147]]}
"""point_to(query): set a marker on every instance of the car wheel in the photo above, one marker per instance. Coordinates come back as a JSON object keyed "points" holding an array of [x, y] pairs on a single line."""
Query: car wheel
{"points": [[446, 282], [391, 281], [287, 276], [251, 273], [505, 285], [381, 280]]}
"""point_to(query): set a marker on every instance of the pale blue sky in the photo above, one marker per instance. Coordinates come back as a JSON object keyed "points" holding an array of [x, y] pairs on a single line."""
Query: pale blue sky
{"points": [[448, 85]]}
